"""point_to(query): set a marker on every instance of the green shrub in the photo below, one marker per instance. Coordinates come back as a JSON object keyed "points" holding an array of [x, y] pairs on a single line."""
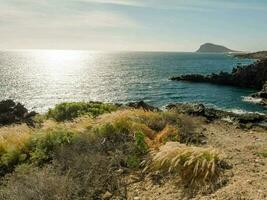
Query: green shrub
{"points": [[263, 154], [108, 130], [140, 143], [71, 110], [10, 159], [133, 161], [41, 147]]}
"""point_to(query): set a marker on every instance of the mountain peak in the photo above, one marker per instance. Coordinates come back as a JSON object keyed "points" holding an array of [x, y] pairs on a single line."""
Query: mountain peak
{"points": [[213, 48]]}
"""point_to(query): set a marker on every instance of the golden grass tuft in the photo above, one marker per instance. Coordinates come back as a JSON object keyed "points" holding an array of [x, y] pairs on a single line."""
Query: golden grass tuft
{"points": [[167, 134], [14, 136], [196, 166]]}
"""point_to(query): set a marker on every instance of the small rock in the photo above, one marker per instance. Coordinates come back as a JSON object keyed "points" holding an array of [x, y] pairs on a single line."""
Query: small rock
{"points": [[107, 195], [136, 198], [119, 171]]}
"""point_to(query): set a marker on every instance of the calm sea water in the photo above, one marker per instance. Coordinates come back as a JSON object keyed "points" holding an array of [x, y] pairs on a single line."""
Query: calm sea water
{"points": [[41, 79]]}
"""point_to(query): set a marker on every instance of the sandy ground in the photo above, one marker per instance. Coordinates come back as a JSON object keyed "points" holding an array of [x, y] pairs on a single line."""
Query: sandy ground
{"points": [[246, 180]]}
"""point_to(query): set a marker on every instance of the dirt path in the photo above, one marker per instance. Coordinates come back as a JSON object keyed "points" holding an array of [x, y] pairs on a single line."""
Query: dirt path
{"points": [[247, 178]]}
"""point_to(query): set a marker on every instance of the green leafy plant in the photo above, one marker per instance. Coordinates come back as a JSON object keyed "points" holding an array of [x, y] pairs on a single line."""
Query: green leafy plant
{"points": [[42, 147], [140, 143]]}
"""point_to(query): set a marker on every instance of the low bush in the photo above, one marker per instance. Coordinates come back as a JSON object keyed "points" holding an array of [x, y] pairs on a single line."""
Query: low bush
{"points": [[71, 110], [93, 162], [189, 132], [37, 149], [37, 184], [41, 147], [263, 154]]}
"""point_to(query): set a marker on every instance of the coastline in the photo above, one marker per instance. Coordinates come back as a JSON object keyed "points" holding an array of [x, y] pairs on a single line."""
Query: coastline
{"points": [[250, 76]]}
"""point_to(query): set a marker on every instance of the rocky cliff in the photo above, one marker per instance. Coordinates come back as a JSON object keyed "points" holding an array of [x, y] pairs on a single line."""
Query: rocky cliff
{"points": [[251, 76]]}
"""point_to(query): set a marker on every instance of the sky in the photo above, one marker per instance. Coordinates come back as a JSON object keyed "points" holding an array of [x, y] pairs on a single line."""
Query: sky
{"points": [[133, 25]]}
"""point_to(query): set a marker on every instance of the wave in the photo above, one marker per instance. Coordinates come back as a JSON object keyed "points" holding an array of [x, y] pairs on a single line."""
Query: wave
{"points": [[251, 99]]}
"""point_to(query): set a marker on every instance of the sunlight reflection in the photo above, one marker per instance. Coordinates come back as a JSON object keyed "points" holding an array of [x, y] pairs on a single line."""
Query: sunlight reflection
{"points": [[63, 58]]}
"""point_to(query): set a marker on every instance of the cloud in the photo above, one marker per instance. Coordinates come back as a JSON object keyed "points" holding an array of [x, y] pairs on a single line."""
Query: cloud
{"points": [[29, 16], [118, 2], [188, 5]]}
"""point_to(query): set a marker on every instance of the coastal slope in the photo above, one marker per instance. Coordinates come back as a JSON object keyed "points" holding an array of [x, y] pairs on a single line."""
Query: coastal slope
{"points": [[213, 48], [93, 150]]}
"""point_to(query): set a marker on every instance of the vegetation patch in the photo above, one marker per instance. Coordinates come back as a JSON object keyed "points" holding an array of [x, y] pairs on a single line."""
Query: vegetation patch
{"points": [[263, 154], [90, 155], [71, 110], [38, 148]]}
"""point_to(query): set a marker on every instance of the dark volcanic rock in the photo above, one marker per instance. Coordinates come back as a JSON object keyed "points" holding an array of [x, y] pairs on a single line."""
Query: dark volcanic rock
{"points": [[251, 76], [11, 112], [142, 105], [214, 114], [262, 94], [6, 105]]}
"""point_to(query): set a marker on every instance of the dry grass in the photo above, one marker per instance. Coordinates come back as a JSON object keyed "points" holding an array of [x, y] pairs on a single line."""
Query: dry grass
{"points": [[14, 136], [158, 127], [169, 133], [38, 184], [196, 166]]}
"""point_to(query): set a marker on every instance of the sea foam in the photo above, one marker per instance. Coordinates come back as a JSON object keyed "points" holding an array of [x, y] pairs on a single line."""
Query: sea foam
{"points": [[252, 99]]}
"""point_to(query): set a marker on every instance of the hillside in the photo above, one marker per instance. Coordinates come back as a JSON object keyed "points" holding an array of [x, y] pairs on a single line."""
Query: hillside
{"points": [[91, 150], [213, 48]]}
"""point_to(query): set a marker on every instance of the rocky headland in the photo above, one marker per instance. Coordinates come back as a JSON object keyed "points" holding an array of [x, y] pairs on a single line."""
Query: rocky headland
{"points": [[251, 76]]}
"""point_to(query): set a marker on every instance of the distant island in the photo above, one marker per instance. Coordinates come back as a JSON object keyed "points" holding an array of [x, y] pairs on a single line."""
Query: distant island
{"points": [[213, 48]]}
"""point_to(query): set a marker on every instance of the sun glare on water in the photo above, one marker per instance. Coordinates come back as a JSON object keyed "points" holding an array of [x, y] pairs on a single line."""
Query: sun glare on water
{"points": [[63, 58]]}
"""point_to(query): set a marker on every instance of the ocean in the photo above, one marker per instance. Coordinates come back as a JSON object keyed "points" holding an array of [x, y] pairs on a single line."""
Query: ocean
{"points": [[42, 78]]}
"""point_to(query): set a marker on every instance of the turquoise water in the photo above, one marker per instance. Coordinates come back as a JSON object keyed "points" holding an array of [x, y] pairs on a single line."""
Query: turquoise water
{"points": [[40, 79]]}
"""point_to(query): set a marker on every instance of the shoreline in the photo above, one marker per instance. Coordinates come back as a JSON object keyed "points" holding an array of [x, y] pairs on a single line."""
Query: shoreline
{"points": [[252, 76], [12, 112]]}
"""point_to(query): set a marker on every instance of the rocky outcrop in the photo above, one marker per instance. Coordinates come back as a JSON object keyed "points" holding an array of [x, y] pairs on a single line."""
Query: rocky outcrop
{"points": [[243, 120], [251, 76], [262, 95], [142, 105], [11, 112]]}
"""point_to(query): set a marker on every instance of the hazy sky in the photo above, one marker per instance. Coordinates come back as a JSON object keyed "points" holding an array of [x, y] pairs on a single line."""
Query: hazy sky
{"points": [[179, 25]]}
